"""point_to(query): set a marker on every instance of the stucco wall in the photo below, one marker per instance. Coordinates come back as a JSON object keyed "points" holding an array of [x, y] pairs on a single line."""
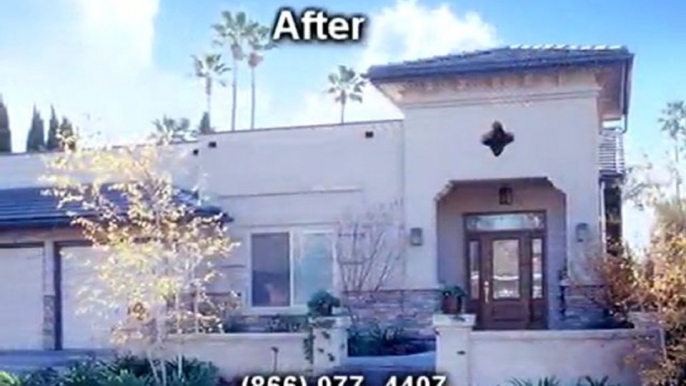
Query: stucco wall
{"points": [[556, 137], [483, 197], [297, 179], [486, 358], [567, 355], [265, 353], [307, 178]]}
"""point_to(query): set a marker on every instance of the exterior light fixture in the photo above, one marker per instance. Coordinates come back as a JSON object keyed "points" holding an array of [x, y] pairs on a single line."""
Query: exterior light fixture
{"points": [[505, 195], [581, 232], [416, 237]]}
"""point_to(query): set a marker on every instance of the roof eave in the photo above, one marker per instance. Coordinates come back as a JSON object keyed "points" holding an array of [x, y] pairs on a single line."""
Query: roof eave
{"points": [[396, 73]]}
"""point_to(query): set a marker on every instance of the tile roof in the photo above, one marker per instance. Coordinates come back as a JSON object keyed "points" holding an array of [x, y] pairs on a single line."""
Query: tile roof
{"points": [[502, 59], [23, 208]]}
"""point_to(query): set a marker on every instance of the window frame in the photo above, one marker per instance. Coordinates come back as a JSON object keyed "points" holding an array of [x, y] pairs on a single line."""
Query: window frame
{"points": [[295, 235]]}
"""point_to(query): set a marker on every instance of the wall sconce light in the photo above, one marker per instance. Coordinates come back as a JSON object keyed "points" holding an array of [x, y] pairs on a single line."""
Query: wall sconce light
{"points": [[581, 232], [505, 195], [416, 237]]}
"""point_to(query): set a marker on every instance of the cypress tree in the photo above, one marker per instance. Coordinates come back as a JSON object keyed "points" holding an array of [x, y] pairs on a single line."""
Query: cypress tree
{"points": [[5, 134], [53, 142], [66, 131], [205, 127], [35, 141]]}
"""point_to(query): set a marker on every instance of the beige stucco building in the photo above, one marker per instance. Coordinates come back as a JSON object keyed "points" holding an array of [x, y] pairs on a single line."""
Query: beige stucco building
{"points": [[501, 178]]}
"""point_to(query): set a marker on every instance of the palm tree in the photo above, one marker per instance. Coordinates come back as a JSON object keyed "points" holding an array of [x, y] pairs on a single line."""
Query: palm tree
{"points": [[234, 32], [170, 130], [210, 68], [259, 42], [346, 84]]}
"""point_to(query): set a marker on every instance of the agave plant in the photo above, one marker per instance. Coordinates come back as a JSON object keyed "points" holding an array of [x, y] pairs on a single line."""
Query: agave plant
{"points": [[7, 379], [545, 381], [590, 381]]}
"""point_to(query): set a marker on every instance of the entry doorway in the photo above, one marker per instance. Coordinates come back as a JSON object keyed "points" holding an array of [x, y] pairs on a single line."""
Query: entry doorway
{"points": [[505, 255]]}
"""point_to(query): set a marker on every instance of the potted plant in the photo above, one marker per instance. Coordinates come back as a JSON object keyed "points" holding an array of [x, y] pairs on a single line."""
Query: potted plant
{"points": [[451, 298], [322, 303]]}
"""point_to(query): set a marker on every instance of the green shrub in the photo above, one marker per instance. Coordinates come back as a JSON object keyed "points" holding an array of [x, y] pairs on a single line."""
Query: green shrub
{"points": [[233, 324], [192, 369], [379, 341], [86, 373], [322, 303], [125, 378], [137, 366], [120, 371], [42, 377]]}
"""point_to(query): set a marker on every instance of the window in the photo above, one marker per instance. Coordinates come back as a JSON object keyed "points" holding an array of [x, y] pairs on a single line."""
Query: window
{"points": [[537, 270], [288, 268], [313, 268], [271, 271], [505, 221], [474, 256]]}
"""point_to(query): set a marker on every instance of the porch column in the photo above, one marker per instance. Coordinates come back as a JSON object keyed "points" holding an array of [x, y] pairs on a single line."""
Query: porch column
{"points": [[453, 347]]}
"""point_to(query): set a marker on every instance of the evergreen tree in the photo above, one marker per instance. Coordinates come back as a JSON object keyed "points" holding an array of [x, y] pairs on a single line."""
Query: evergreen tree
{"points": [[5, 134], [66, 130], [52, 142], [35, 141], [204, 127]]}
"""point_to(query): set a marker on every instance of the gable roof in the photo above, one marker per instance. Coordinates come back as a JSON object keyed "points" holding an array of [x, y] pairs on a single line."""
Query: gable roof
{"points": [[23, 208], [502, 59]]}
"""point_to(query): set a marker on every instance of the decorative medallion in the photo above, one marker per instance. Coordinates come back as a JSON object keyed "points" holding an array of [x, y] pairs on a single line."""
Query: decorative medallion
{"points": [[497, 139]]}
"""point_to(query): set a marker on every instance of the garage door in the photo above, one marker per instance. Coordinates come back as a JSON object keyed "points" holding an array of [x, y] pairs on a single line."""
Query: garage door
{"points": [[21, 298], [87, 321]]}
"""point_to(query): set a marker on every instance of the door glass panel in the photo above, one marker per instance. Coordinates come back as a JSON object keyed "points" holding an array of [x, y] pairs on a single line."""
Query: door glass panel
{"points": [[537, 267], [505, 221], [474, 269], [506, 269]]}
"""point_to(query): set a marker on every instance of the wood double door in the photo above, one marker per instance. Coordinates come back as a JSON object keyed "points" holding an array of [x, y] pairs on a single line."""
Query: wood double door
{"points": [[506, 276]]}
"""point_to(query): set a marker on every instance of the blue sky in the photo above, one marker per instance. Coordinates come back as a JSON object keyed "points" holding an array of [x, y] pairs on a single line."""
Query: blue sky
{"points": [[113, 66]]}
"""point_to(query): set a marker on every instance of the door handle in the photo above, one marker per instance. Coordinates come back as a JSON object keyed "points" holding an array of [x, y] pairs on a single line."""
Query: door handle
{"points": [[487, 291]]}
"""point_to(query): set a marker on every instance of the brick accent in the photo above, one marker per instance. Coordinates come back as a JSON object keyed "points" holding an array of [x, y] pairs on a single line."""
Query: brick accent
{"points": [[49, 331]]}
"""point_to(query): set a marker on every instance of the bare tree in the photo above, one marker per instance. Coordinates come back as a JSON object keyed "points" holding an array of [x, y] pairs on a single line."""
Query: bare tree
{"points": [[369, 249]]}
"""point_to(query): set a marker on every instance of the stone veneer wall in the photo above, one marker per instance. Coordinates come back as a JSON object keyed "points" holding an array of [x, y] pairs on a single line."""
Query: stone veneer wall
{"points": [[49, 314], [581, 306], [413, 310], [409, 309]]}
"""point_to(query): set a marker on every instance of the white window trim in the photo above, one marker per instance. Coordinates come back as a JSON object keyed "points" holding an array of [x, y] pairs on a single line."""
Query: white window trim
{"points": [[293, 237]]}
